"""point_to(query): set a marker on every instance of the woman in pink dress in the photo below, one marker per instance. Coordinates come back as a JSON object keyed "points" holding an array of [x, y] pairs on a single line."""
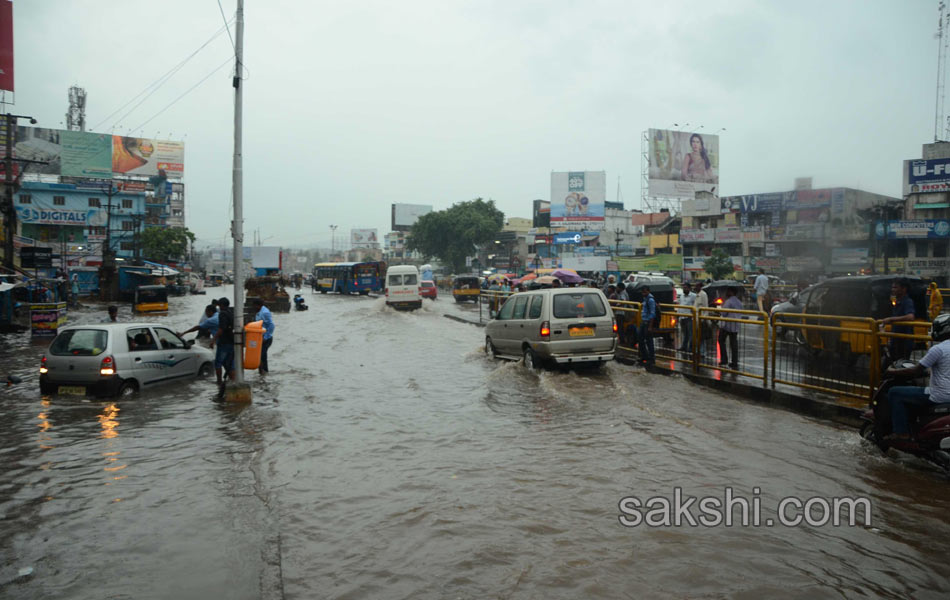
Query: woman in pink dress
{"points": [[696, 166]]}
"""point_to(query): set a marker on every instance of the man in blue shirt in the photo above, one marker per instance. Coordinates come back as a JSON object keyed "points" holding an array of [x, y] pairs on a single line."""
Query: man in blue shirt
{"points": [[264, 314], [207, 326], [647, 314], [903, 311]]}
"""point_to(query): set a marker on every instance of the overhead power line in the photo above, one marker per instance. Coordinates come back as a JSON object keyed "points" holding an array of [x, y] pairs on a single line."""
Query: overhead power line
{"points": [[155, 85], [186, 92]]}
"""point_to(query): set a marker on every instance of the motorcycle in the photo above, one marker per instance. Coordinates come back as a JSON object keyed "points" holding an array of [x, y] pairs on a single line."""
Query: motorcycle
{"points": [[929, 424]]}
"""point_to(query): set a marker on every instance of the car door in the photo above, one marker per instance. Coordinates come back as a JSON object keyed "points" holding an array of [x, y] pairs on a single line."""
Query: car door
{"points": [[148, 366], [518, 325], [181, 360], [500, 331]]}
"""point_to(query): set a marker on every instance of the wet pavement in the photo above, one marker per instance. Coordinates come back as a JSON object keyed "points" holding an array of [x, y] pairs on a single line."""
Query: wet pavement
{"points": [[385, 456]]}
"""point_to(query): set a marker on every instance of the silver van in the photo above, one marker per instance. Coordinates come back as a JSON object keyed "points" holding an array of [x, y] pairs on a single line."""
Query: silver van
{"points": [[557, 325], [119, 359]]}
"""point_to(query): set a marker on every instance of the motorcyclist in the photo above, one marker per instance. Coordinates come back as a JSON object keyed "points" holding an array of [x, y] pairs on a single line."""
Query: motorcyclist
{"points": [[937, 360]]}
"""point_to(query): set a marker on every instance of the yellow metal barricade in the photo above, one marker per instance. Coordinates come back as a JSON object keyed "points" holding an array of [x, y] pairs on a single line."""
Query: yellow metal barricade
{"points": [[628, 321], [708, 348], [825, 355], [493, 299]]}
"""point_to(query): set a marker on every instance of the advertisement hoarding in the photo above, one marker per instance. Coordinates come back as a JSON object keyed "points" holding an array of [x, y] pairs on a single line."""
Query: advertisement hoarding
{"points": [[578, 197], [6, 45], [654, 264], [920, 229], [85, 154], [144, 156], [682, 163], [404, 216], [363, 238], [926, 176], [695, 263]]}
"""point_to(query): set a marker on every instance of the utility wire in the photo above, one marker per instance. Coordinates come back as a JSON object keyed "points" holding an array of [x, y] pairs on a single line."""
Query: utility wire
{"points": [[186, 92], [159, 82], [225, 19]]}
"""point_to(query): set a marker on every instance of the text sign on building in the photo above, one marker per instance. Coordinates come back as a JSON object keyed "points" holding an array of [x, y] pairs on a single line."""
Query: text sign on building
{"points": [[926, 176], [924, 228]]}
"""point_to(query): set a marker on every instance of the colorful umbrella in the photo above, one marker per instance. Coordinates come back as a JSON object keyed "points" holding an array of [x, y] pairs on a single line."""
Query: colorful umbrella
{"points": [[567, 276]]}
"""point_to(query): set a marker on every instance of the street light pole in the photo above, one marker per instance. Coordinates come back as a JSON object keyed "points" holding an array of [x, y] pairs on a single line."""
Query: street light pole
{"points": [[332, 241]]}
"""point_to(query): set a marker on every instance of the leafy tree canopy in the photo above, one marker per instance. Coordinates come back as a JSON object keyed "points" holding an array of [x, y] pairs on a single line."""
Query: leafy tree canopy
{"points": [[163, 244], [452, 234], [719, 264]]}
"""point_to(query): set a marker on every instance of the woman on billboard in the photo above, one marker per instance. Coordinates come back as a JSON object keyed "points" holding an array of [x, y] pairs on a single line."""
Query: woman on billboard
{"points": [[696, 165]]}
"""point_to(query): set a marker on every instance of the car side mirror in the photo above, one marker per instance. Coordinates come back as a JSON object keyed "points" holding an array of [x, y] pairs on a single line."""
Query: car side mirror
{"points": [[794, 299]]}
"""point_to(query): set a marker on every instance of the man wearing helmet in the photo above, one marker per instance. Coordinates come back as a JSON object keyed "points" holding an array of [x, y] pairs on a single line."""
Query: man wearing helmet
{"points": [[937, 360]]}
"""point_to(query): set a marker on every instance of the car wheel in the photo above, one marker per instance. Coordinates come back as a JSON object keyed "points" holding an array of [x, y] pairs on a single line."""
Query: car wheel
{"points": [[490, 350], [205, 370], [530, 359], [128, 389]]}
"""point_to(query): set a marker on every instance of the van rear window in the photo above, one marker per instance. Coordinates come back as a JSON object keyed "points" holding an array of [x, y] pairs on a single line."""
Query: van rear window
{"points": [[410, 279], [575, 306], [395, 280], [80, 342]]}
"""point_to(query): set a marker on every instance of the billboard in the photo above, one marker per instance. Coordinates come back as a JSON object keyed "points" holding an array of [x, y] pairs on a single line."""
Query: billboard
{"points": [[926, 176], [144, 156], [6, 45], [682, 163], [85, 154], [404, 216], [363, 238], [578, 197]]}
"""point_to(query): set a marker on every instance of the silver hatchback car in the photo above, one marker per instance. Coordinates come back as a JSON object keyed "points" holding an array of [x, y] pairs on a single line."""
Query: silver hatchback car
{"points": [[558, 325], [119, 359]]}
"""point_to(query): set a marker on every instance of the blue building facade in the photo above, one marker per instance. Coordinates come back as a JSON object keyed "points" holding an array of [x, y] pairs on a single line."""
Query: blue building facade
{"points": [[73, 218]]}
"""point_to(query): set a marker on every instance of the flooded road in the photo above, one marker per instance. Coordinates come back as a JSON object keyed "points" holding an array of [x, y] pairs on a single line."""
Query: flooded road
{"points": [[385, 456]]}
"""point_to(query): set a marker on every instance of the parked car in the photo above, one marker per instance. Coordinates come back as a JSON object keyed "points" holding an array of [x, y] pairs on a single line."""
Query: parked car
{"points": [[429, 290], [567, 326], [119, 359]]}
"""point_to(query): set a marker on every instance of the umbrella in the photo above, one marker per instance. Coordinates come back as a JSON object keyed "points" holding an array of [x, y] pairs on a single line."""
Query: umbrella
{"points": [[528, 277], [497, 277], [546, 280], [567, 276]]}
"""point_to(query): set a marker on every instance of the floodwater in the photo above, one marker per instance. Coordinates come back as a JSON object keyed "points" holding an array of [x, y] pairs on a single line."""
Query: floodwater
{"points": [[385, 456]]}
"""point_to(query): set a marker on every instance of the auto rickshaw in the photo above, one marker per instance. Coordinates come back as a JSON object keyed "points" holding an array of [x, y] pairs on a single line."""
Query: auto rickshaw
{"points": [[466, 289], [862, 297], [151, 298]]}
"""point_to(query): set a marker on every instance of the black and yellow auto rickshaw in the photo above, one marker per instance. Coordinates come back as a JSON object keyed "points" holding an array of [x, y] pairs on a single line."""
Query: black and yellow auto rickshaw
{"points": [[151, 298], [862, 297], [466, 289]]}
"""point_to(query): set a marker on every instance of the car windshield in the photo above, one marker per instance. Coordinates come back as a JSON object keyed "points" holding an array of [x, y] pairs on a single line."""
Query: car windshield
{"points": [[574, 306], [80, 342]]}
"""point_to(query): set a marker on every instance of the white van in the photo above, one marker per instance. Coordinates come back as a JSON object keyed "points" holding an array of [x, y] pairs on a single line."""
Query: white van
{"points": [[403, 287]]}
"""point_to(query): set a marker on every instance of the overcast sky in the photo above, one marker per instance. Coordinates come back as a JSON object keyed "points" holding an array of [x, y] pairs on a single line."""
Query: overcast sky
{"points": [[351, 106]]}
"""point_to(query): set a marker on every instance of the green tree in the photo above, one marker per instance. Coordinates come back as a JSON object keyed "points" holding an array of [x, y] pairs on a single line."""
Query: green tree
{"points": [[452, 234], [163, 244], [719, 264]]}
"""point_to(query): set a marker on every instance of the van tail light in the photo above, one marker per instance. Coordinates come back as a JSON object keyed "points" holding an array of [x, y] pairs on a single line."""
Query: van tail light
{"points": [[43, 368], [107, 366], [718, 301], [674, 294], [386, 292], [420, 291], [545, 329], [614, 325]]}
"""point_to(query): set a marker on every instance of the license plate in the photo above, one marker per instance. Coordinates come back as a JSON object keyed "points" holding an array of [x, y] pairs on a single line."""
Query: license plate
{"points": [[72, 390], [582, 331]]}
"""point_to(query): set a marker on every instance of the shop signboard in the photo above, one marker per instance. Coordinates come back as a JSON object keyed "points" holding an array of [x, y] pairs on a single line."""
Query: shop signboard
{"points": [[753, 234], [922, 228], [803, 263], [849, 258], [33, 257], [728, 235], [578, 197], [695, 263], [773, 250], [46, 318], [926, 176], [927, 267], [804, 231], [655, 263], [692, 236]]}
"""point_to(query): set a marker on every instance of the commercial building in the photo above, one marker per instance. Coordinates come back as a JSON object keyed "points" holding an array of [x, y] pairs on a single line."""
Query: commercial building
{"points": [[76, 221], [802, 234], [915, 240]]}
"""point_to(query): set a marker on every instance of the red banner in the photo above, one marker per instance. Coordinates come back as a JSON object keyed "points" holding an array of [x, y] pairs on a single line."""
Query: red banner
{"points": [[6, 45]]}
